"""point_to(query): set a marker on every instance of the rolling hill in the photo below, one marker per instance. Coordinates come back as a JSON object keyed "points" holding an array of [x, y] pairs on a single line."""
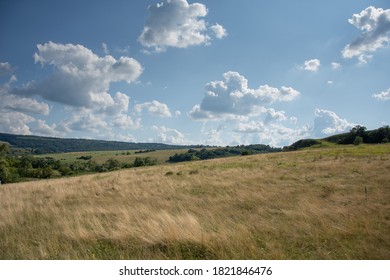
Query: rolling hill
{"points": [[47, 145], [318, 203]]}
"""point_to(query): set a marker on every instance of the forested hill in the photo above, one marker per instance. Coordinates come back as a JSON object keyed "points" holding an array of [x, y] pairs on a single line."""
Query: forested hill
{"points": [[45, 145]]}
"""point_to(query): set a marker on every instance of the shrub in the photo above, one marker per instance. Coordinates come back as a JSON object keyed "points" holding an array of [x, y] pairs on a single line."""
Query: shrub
{"points": [[112, 164], [358, 140], [146, 161]]}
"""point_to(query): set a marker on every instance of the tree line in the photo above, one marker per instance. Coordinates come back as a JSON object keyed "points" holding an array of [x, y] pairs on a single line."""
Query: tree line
{"points": [[228, 151], [359, 134]]}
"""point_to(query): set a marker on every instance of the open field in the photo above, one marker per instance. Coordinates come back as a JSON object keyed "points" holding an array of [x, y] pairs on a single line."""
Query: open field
{"points": [[161, 156], [326, 203]]}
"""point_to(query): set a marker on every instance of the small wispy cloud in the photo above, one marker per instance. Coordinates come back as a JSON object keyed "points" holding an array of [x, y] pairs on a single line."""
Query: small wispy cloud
{"points": [[336, 66], [384, 95], [311, 65]]}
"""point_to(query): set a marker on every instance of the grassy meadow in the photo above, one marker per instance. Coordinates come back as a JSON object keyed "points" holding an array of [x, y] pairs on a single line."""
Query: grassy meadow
{"points": [[161, 156], [326, 203]]}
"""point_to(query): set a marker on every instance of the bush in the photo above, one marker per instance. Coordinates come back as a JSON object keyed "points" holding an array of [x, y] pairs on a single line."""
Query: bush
{"points": [[112, 164], [85, 157], [65, 170], [146, 161], [358, 140], [246, 153]]}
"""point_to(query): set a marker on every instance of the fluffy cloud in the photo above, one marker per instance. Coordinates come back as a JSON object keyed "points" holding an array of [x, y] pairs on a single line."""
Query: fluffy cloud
{"points": [[20, 123], [232, 98], [312, 65], [384, 95], [80, 77], [375, 24], [26, 105], [15, 122], [80, 80], [219, 31], [42, 128], [15, 113], [212, 135], [175, 23], [276, 128], [21, 104], [250, 127], [327, 122], [273, 115], [274, 134], [82, 119], [154, 108], [169, 136]]}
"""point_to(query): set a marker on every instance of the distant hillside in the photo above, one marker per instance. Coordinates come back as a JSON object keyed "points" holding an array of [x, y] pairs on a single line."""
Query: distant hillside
{"points": [[45, 145], [357, 135]]}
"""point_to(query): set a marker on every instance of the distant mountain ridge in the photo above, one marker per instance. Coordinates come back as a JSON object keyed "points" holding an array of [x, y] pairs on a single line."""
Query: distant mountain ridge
{"points": [[46, 145]]}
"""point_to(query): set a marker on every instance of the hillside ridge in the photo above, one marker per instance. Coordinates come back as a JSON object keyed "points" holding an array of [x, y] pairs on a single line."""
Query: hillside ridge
{"points": [[46, 145]]}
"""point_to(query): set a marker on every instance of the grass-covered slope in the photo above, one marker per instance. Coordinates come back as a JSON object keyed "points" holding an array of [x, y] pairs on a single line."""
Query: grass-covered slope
{"points": [[328, 203], [357, 135]]}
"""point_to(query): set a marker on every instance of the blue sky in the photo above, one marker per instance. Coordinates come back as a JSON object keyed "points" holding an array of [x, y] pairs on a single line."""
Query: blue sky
{"points": [[187, 72]]}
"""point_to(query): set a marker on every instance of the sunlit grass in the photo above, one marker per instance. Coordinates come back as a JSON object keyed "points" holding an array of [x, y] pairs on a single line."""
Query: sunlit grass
{"points": [[326, 203]]}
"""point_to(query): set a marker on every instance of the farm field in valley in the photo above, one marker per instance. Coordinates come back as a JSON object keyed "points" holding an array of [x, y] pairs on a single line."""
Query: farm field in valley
{"points": [[161, 156], [317, 203]]}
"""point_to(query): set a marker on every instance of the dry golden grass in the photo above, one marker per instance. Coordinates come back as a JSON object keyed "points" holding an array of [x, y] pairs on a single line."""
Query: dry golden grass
{"points": [[331, 203]]}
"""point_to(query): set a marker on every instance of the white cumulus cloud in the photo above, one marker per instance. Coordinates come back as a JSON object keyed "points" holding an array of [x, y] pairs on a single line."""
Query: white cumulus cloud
{"points": [[311, 65], [375, 26], [155, 108], [15, 122], [20, 103], [327, 122], [80, 77], [81, 80], [176, 23], [232, 98], [169, 136], [42, 128], [219, 31], [274, 134], [274, 116]]}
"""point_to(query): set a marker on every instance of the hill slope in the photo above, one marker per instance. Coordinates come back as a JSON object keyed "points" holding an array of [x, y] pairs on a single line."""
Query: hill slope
{"points": [[46, 145], [356, 135], [330, 203]]}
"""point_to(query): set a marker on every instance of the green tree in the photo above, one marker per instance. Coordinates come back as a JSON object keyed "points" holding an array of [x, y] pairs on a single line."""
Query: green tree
{"points": [[4, 173], [4, 149]]}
